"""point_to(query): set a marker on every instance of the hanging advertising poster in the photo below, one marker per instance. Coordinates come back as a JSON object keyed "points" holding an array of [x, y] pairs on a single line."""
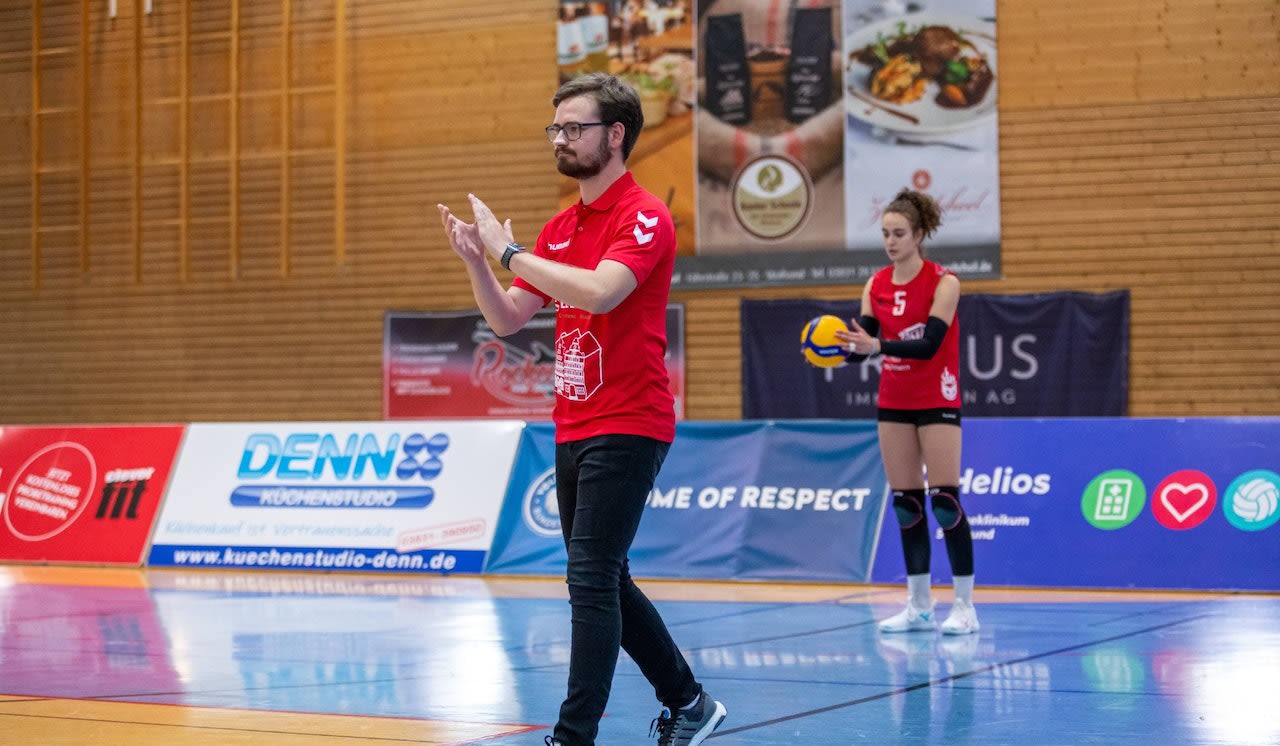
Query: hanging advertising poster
{"points": [[451, 364], [650, 45], [1037, 355], [777, 132]]}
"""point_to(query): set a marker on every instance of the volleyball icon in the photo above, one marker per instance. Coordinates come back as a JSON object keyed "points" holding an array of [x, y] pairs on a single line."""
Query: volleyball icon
{"points": [[819, 344], [1256, 500]]}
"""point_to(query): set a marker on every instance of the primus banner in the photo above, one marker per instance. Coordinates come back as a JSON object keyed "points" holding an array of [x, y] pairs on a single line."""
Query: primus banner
{"points": [[1044, 355]]}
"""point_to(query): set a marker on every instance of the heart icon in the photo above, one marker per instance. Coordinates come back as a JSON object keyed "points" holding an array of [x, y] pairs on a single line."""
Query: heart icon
{"points": [[1190, 497]]}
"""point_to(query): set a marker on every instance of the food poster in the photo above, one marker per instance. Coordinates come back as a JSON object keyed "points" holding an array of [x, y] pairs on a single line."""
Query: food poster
{"points": [[778, 130], [650, 43], [770, 127], [920, 94]]}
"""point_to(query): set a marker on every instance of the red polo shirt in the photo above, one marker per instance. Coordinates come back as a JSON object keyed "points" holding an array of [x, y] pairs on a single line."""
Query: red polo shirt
{"points": [[611, 374]]}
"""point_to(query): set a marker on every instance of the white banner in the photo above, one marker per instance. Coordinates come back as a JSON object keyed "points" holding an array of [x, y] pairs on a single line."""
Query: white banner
{"points": [[416, 496]]}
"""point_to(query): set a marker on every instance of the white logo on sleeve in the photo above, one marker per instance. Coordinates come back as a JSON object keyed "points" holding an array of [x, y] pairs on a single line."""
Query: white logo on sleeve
{"points": [[643, 238]]}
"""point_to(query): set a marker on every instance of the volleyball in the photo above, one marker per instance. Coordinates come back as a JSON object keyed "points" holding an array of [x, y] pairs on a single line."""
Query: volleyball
{"points": [[819, 344], [1255, 501]]}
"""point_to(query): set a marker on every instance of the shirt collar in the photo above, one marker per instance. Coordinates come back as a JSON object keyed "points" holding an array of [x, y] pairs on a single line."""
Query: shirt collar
{"points": [[611, 195]]}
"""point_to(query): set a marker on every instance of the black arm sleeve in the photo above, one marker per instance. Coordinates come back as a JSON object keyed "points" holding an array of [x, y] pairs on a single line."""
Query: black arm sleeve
{"points": [[870, 325], [918, 349]]}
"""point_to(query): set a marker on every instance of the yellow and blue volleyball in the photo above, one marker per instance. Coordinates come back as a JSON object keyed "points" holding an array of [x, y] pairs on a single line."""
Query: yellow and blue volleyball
{"points": [[819, 344]]}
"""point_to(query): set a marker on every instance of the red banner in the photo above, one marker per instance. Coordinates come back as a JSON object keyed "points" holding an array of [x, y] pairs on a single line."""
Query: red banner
{"points": [[451, 364], [82, 494]]}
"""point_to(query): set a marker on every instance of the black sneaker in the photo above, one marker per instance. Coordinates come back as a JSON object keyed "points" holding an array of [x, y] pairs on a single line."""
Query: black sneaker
{"points": [[690, 726]]}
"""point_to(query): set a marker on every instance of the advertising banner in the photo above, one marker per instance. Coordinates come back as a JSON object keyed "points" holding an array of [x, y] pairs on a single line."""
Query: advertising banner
{"points": [[1116, 503], [745, 500], [419, 496], [82, 494], [777, 132], [451, 364], [1042, 355]]}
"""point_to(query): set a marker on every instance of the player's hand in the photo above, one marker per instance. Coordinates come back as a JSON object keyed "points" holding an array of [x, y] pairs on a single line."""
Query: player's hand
{"points": [[857, 340], [464, 237], [493, 234]]}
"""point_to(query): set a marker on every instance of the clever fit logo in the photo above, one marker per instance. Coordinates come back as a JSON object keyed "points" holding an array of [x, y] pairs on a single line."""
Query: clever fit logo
{"points": [[122, 492], [1182, 500]]}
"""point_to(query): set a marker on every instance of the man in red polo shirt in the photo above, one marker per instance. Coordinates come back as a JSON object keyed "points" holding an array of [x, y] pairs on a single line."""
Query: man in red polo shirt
{"points": [[606, 264]]}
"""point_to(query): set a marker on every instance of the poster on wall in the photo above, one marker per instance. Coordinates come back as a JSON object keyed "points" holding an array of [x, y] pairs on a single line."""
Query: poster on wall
{"points": [[651, 45], [777, 132], [452, 364]]}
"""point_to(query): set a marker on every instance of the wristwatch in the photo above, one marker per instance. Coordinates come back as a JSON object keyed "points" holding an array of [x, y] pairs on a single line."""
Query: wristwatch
{"points": [[513, 248]]}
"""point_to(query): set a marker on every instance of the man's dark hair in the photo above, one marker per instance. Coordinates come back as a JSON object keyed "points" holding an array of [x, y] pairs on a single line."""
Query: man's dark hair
{"points": [[616, 99]]}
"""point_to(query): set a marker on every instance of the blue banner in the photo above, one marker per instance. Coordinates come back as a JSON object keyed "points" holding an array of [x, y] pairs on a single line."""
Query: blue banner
{"points": [[1116, 503], [1046, 355], [740, 500]]}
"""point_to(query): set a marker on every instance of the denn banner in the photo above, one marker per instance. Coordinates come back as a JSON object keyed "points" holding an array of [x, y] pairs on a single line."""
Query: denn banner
{"points": [[82, 494], [412, 496], [1116, 503], [1042, 355], [452, 364], [746, 500]]}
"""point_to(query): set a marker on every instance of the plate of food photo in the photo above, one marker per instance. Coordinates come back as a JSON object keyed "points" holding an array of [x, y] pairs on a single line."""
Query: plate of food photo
{"points": [[922, 73]]}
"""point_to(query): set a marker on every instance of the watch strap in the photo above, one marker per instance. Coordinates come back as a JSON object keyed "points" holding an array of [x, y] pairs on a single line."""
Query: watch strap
{"points": [[513, 248]]}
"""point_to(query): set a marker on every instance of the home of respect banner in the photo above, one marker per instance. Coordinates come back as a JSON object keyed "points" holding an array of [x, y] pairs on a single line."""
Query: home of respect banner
{"points": [[413, 496], [1043, 355], [778, 131], [745, 500], [451, 364], [1117, 503], [82, 493]]}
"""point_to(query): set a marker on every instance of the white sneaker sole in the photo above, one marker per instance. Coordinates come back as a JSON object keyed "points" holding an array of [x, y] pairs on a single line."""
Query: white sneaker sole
{"points": [[711, 725]]}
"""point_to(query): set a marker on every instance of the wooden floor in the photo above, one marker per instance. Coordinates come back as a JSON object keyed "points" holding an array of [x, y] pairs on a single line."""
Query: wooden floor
{"points": [[110, 656]]}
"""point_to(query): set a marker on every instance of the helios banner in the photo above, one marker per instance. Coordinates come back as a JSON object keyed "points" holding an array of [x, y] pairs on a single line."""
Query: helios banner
{"points": [[82, 494], [452, 364], [414, 496], [1043, 355], [745, 500], [1117, 503]]}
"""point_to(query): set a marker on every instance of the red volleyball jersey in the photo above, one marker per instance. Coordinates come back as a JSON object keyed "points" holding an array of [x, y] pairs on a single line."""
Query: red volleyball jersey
{"points": [[611, 372], [903, 311]]}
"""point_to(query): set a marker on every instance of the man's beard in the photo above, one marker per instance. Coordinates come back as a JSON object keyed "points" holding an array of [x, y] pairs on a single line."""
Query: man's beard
{"points": [[585, 168]]}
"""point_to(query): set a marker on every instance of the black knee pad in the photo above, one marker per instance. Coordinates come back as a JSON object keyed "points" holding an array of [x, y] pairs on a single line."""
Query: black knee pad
{"points": [[908, 506], [945, 504]]}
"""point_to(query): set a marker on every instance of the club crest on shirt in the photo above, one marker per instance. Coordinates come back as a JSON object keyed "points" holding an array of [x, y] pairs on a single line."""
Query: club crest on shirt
{"points": [[579, 365], [950, 385]]}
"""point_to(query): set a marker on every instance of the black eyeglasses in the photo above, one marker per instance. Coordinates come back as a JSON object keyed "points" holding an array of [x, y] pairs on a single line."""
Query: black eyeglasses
{"points": [[572, 130]]}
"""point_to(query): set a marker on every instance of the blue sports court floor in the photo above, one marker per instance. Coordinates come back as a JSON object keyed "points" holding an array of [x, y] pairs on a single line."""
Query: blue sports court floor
{"points": [[108, 656]]}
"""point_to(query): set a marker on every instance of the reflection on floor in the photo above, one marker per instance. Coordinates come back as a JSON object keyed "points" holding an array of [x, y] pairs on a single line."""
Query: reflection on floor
{"points": [[131, 657]]}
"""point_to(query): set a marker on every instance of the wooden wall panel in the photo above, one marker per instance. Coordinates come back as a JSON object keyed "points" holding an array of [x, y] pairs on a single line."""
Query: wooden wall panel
{"points": [[1140, 149]]}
